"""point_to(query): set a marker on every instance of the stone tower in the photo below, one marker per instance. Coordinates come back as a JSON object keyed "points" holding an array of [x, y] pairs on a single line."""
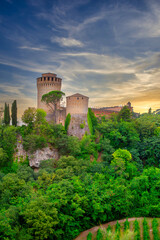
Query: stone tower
{"points": [[77, 106], [48, 82]]}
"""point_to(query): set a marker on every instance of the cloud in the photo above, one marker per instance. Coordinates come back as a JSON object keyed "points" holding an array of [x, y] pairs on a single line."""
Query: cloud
{"points": [[32, 48], [67, 42], [149, 26]]}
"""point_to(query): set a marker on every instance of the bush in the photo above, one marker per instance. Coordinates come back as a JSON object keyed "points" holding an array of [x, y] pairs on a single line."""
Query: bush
{"points": [[89, 236], [155, 229], [99, 235], [126, 225], [33, 142], [145, 230], [67, 121], [82, 125], [90, 123], [68, 145], [137, 230]]}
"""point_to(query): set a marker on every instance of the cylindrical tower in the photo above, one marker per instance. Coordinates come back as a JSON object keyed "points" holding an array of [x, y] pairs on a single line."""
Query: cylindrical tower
{"points": [[48, 82], [77, 104]]}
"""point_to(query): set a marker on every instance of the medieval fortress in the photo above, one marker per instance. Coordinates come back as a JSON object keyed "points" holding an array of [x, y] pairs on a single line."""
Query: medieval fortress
{"points": [[76, 105]]}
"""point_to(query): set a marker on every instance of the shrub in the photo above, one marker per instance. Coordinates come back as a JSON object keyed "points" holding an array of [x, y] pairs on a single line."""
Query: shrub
{"points": [[145, 230], [137, 230], [155, 229], [90, 122], [33, 142], [82, 125], [126, 225], [67, 121], [89, 236], [99, 235]]}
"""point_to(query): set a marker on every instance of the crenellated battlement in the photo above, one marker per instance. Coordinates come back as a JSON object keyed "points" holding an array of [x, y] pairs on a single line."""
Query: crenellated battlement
{"points": [[49, 78]]}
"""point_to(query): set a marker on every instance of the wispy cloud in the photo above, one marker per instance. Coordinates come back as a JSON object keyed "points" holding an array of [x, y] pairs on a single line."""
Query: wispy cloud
{"points": [[149, 26], [32, 48], [67, 42]]}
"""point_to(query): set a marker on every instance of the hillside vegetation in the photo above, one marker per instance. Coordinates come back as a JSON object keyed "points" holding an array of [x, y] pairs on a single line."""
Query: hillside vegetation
{"points": [[77, 192]]}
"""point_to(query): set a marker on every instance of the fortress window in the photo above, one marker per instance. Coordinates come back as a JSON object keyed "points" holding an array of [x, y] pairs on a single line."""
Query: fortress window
{"points": [[44, 78], [48, 78], [77, 98], [41, 79], [52, 78], [55, 79]]}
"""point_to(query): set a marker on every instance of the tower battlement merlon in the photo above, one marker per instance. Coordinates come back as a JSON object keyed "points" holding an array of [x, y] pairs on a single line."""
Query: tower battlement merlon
{"points": [[49, 78]]}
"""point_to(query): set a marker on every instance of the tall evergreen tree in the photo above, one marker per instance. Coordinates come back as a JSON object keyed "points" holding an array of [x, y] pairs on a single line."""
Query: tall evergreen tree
{"points": [[6, 114], [14, 113]]}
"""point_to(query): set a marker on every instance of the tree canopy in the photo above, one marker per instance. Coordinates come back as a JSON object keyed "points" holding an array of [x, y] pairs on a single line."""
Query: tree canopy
{"points": [[52, 99]]}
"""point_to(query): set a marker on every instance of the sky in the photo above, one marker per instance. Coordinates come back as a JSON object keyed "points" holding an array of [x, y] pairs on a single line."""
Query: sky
{"points": [[108, 50]]}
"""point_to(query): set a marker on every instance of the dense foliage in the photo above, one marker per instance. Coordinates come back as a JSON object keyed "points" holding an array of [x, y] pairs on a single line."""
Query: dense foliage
{"points": [[111, 174]]}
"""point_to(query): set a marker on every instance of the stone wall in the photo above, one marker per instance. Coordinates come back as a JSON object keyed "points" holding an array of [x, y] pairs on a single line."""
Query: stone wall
{"points": [[36, 157], [76, 123]]}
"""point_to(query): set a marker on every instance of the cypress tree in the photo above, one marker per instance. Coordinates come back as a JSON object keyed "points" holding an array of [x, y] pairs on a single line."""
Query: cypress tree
{"points": [[14, 113], [6, 114]]}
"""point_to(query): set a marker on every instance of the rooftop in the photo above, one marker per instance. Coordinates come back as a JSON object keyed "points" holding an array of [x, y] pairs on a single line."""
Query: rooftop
{"points": [[49, 74], [77, 95]]}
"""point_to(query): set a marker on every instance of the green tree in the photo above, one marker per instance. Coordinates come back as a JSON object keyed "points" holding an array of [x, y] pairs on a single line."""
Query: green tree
{"points": [[93, 118], [14, 113], [41, 218], [67, 122], [3, 158], [107, 150], [40, 116], [122, 153], [121, 157], [29, 115], [33, 142], [125, 114], [6, 114], [90, 125], [68, 145], [52, 100], [9, 141]]}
